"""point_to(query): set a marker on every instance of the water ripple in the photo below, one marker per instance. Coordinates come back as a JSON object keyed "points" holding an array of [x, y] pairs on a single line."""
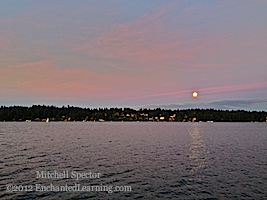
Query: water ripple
{"points": [[158, 160]]}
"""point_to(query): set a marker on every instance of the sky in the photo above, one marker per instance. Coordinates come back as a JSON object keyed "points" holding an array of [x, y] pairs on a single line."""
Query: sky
{"points": [[123, 53]]}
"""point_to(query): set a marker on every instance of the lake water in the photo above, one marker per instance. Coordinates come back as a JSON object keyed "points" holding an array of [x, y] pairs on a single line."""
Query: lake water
{"points": [[155, 160]]}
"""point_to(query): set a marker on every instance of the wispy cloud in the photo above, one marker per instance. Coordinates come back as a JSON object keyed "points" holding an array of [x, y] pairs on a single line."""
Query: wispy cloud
{"points": [[117, 52], [147, 40], [144, 40], [46, 80], [221, 104], [211, 90]]}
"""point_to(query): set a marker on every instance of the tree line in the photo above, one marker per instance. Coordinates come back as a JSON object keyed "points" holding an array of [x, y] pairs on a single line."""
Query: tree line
{"points": [[70, 113]]}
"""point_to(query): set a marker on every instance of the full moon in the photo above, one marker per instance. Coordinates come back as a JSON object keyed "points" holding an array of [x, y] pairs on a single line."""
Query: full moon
{"points": [[195, 94]]}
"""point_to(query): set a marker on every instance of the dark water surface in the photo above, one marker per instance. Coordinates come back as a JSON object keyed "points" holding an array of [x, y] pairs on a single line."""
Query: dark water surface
{"points": [[158, 160]]}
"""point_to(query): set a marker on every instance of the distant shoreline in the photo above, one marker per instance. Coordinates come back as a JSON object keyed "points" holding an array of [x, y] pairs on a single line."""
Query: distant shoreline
{"points": [[132, 121], [70, 113]]}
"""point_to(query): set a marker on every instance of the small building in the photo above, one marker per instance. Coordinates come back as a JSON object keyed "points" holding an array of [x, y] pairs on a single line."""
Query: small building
{"points": [[133, 114]]}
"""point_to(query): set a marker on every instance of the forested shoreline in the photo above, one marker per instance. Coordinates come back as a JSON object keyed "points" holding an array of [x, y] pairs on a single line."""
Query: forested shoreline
{"points": [[70, 113]]}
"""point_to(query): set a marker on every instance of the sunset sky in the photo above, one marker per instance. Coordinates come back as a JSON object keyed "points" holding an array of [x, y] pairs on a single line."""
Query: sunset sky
{"points": [[123, 53]]}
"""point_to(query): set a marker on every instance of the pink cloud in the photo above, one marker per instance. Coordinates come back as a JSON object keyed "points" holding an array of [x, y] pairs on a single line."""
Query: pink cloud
{"points": [[144, 40], [44, 79], [148, 41], [210, 90]]}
